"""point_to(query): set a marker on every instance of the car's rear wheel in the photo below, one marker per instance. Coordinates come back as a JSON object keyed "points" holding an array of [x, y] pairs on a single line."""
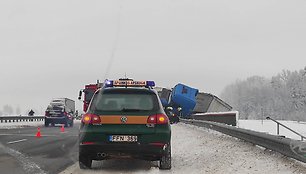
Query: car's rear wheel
{"points": [[85, 162], [165, 161]]}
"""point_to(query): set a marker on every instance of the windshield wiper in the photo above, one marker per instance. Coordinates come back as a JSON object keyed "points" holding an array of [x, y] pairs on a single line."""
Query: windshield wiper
{"points": [[131, 110]]}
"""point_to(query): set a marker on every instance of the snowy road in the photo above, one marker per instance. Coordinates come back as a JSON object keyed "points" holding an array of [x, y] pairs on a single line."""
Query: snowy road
{"points": [[198, 150]]}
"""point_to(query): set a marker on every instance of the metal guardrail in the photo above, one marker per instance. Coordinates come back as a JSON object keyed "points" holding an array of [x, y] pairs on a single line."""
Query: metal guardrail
{"points": [[9, 119], [278, 123], [292, 148]]}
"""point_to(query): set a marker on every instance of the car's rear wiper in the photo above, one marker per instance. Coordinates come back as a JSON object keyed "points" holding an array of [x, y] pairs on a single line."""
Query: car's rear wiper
{"points": [[131, 110]]}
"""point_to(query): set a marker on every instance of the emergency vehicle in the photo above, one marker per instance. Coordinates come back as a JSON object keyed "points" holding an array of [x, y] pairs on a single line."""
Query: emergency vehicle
{"points": [[125, 119], [89, 91]]}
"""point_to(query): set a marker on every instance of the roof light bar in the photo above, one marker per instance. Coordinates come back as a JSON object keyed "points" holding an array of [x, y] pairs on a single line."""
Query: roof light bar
{"points": [[128, 83]]}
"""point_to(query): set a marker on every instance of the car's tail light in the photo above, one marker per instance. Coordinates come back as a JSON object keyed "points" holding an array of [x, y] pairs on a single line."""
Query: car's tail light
{"points": [[152, 119], [91, 119], [65, 113], [162, 119], [86, 119], [158, 119], [95, 119], [47, 113]]}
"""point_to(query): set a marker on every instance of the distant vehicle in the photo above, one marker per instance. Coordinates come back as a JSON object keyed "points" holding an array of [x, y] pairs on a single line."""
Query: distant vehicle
{"points": [[125, 119], [60, 111], [89, 91]]}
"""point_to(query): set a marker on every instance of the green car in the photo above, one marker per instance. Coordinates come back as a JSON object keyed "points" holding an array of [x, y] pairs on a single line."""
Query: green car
{"points": [[125, 119]]}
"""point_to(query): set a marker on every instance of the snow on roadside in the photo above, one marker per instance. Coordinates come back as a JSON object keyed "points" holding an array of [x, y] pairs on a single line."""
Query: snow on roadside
{"points": [[16, 125], [270, 127], [199, 150]]}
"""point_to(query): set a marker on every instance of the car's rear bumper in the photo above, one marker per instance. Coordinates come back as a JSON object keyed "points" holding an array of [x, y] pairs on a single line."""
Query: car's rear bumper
{"points": [[57, 120], [153, 151]]}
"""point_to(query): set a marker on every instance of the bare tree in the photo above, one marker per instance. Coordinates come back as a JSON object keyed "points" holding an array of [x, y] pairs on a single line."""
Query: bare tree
{"points": [[282, 97], [18, 110], [7, 109]]}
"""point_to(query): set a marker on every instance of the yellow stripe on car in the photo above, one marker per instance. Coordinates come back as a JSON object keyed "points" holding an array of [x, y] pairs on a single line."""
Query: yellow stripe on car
{"points": [[123, 119]]}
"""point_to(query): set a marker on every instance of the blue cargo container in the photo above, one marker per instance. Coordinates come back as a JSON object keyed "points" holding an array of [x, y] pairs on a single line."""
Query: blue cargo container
{"points": [[185, 97]]}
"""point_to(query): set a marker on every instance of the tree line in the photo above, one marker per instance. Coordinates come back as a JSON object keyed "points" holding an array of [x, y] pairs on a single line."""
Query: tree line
{"points": [[281, 97], [9, 110]]}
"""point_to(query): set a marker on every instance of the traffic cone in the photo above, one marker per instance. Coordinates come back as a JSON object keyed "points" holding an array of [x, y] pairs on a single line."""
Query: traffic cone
{"points": [[62, 128], [38, 135]]}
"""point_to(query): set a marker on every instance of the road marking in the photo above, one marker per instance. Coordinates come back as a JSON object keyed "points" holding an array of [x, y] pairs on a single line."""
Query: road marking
{"points": [[29, 166], [17, 141]]}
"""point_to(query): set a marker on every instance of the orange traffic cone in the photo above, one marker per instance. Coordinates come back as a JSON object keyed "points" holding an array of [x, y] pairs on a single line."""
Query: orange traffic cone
{"points": [[62, 128], [38, 135]]}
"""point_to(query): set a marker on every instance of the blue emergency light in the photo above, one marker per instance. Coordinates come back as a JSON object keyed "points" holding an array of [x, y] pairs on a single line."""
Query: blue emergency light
{"points": [[150, 83], [108, 83]]}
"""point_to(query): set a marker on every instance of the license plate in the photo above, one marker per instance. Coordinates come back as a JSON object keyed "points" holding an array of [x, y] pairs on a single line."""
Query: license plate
{"points": [[123, 138]]}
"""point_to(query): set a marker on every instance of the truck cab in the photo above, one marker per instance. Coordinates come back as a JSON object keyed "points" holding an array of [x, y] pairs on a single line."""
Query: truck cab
{"points": [[88, 91]]}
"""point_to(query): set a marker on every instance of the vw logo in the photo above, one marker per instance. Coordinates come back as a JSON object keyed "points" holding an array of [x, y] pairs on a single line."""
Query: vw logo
{"points": [[123, 119]]}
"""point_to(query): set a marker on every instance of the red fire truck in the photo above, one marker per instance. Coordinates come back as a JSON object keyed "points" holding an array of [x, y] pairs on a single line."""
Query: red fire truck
{"points": [[89, 91]]}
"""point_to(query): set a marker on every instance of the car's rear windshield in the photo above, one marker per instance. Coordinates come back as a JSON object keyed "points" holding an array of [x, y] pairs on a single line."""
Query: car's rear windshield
{"points": [[56, 107], [124, 102]]}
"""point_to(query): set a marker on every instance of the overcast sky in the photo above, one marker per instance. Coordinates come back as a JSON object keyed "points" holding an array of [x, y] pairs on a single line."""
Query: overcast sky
{"points": [[53, 48]]}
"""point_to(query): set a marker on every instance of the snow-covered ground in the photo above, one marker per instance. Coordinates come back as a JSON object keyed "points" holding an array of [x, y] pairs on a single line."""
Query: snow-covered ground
{"points": [[270, 127], [15, 125], [199, 150]]}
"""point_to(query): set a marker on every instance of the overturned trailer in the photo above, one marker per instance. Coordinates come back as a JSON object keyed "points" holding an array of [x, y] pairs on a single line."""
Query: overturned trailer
{"points": [[229, 118], [207, 102], [211, 108]]}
